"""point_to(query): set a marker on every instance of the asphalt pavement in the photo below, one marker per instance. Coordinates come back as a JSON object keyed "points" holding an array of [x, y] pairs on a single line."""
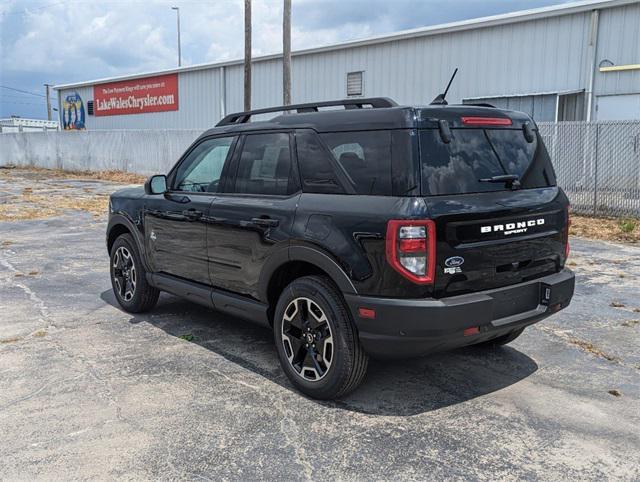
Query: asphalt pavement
{"points": [[88, 391]]}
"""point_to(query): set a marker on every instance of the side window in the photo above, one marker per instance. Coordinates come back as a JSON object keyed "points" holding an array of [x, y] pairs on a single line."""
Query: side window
{"points": [[265, 165], [201, 170], [365, 157], [316, 165]]}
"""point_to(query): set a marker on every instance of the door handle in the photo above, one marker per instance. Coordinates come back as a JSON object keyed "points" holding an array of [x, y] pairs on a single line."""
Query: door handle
{"points": [[266, 222], [177, 198], [192, 214]]}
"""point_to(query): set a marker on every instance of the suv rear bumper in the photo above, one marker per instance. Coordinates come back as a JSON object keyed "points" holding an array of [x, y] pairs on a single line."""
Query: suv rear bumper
{"points": [[412, 327]]}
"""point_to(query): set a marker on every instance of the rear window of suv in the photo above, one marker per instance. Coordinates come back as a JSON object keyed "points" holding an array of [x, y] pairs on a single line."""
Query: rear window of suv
{"points": [[475, 154]]}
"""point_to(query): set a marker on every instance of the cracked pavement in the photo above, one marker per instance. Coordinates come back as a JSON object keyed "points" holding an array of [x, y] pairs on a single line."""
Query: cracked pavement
{"points": [[88, 391]]}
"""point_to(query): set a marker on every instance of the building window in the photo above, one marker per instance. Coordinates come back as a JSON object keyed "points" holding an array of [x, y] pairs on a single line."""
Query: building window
{"points": [[354, 84]]}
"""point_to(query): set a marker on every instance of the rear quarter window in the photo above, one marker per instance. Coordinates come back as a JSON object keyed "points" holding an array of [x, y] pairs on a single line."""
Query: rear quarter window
{"points": [[365, 157]]}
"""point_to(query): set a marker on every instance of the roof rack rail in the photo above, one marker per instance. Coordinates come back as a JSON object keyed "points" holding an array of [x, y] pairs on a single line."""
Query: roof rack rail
{"points": [[374, 102]]}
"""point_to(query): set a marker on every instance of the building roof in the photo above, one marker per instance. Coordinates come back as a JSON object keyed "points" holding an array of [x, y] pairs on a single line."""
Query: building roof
{"points": [[491, 21]]}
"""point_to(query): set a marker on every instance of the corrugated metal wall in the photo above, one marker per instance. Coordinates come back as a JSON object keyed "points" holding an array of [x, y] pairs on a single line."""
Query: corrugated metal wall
{"points": [[619, 42], [535, 56]]}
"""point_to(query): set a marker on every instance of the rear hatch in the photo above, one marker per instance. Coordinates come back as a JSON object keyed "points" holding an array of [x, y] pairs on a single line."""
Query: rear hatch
{"points": [[490, 188]]}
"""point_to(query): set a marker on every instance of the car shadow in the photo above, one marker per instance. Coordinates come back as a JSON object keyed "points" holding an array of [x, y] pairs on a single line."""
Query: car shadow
{"points": [[391, 387]]}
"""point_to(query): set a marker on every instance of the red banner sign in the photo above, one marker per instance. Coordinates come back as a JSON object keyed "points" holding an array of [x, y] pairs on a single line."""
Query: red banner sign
{"points": [[151, 94]]}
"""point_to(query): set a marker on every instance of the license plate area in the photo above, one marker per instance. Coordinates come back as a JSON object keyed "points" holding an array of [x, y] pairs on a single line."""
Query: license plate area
{"points": [[517, 300]]}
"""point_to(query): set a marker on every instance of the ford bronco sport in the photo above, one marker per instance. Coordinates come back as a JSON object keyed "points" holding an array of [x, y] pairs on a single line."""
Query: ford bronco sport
{"points": [[352, 229]]}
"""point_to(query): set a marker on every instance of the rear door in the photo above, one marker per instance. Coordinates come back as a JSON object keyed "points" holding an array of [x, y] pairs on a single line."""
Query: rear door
{"points": [[252, 218], [492, 234]]}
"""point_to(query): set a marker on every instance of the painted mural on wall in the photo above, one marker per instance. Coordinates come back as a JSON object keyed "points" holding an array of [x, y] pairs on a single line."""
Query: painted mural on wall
{"points": [[73, 113]]}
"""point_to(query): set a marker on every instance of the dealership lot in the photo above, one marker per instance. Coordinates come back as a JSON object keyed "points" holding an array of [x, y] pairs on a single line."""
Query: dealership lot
{"points": [[88, 391]]}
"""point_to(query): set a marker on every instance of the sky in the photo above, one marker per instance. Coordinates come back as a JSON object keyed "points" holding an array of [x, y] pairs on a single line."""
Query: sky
{"points": [[55, 42]]}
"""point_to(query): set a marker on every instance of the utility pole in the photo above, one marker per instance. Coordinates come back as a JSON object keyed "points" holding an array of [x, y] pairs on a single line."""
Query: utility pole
{"points": [[46, 86], [286, 53], [247, 55], [177, 9]]}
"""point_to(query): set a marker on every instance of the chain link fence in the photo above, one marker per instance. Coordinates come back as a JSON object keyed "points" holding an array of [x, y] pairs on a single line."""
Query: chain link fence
{"points": [[597, 165]]}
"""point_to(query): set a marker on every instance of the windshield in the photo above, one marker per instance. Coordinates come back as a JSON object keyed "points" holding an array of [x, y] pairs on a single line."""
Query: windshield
{"points": [[474, 156]]}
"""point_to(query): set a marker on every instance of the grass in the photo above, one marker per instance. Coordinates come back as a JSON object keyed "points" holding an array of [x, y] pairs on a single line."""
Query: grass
{"points": [[112, 175], [625, 230], [591, 348], [33, 206], [628, 226], [44, 200], [187, 337]]}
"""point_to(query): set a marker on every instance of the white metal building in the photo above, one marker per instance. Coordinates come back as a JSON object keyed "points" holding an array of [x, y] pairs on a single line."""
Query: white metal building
{"points": [[574, 61]]}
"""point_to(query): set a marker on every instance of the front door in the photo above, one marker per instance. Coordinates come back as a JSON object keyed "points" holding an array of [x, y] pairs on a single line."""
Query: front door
{"points": [[175, 223], [253, 218]]}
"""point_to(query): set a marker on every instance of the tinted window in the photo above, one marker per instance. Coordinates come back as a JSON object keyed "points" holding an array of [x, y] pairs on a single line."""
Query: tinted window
{"points": [[265, 165], [474, 154], [365, 157], [201, 170], [317, 168]]}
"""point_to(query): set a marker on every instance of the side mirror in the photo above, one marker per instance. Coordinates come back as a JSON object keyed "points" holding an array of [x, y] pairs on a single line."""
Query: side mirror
{"points": [[156, 184]]}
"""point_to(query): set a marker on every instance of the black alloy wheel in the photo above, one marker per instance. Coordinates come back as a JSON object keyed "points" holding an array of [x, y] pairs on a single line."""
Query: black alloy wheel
{"points": [[316, 339], [129, 277], [307, 339], [124, 274]]}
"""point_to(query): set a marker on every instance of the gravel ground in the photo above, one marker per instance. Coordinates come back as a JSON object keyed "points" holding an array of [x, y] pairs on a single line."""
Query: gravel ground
{"points": [[90, 392]]}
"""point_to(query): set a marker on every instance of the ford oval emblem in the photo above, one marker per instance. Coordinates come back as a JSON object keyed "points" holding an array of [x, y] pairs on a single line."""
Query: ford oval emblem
{"points": [[454, 261]]}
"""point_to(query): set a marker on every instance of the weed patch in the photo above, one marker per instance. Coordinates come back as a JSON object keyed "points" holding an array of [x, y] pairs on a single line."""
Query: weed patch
{"points": [[607, 229]]}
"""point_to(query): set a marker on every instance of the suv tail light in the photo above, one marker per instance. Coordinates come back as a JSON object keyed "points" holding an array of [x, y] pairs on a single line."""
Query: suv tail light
{"points": [[411, 249]]}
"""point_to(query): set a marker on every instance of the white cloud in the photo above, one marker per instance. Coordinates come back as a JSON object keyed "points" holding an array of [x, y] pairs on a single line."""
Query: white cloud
{"points": [[90, 39]]}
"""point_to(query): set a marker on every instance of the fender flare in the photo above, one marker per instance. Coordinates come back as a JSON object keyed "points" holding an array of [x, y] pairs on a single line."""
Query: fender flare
{"points": [[119, 219], [309, 255]]}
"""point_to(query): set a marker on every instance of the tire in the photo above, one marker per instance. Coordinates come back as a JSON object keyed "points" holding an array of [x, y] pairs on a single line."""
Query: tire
{"points": [[128, 277], [312, 305], [501, 340]]}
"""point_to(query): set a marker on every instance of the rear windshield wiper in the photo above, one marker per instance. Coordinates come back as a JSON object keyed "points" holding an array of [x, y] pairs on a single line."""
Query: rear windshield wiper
{"points": [[512, 181]]}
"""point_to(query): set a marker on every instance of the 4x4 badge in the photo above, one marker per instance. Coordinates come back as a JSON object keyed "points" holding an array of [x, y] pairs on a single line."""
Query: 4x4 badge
{"points": [[453, 264]]}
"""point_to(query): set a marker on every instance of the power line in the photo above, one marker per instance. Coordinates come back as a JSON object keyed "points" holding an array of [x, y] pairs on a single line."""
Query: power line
{"points": [[33, 9], [22, 91], [17, 96], [19, 102]]}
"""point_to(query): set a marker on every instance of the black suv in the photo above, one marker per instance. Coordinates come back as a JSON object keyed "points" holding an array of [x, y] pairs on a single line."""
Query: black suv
{"points": [[352, 229]]}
